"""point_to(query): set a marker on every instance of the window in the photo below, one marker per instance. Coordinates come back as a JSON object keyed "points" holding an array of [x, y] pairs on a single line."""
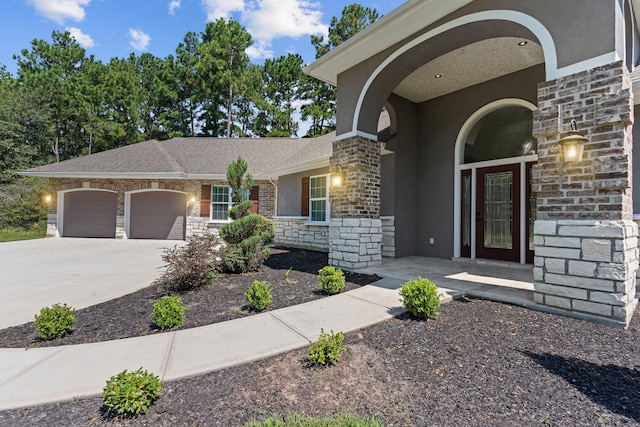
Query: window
{"points": [[319, 198], [220, 203]]}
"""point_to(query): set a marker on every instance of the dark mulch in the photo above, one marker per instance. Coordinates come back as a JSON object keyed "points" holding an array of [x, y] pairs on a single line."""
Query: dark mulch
{"points": [[478, 364], [129, 316]]}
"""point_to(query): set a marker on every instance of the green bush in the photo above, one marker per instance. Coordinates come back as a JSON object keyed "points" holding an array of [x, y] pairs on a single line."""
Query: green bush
{"points": [[248, 234], [326, 350], [193, 265], [55, 321], [168, 312], [130, 393], [331, 279], [258, 295], [300, 420], [421, 298]]}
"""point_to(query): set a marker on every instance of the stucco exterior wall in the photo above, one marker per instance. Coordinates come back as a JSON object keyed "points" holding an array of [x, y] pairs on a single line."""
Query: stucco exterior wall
{"points": [[579, 34], [290, 191]]}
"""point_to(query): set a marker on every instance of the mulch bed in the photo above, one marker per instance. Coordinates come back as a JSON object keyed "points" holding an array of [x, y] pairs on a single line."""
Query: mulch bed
{"points": [[478, 363], [129, 316]]}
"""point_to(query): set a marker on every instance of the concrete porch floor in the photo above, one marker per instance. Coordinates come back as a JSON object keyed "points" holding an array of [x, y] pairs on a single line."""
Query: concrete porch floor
{"points": [[492, 280]]}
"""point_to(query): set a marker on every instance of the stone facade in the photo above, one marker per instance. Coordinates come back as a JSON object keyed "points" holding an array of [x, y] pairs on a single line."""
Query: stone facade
{"points": [[388, 236], [355, 230], [587, 266], [355, 242], [296, 232], [195, 224], [586, 250]]}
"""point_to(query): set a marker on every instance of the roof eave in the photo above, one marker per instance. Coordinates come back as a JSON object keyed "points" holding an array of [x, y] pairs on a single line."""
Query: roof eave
{"points": [[407, 19], [122, 175], [298, 167]]}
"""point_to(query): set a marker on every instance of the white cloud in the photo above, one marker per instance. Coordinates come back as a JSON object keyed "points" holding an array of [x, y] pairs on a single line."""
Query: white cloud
{"points": [[61, 10], [139, 40], [260, 50], [175, 4], [222, 8], [83, 39], [272, 19]]}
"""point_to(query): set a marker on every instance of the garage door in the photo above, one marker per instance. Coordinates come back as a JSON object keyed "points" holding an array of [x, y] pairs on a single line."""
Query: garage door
{"points": [[157, 215], [89, 213]]}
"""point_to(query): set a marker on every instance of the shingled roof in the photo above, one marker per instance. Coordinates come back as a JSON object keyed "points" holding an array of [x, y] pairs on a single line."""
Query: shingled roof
{"points": [[183, 158]]}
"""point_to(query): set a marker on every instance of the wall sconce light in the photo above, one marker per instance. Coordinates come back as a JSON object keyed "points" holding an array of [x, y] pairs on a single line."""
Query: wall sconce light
{"points": [[573, 145], [47, 198], [337, 177], [192, 199]]}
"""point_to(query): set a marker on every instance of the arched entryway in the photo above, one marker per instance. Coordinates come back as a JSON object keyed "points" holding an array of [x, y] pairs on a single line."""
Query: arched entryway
{"points": [[494, 204]]}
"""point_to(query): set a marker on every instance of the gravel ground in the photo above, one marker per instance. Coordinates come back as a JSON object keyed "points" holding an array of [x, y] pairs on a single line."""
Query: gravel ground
{"points": [[479, 363]]}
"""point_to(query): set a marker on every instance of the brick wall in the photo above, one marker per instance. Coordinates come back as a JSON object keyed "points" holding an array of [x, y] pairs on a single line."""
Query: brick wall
{"points": [[598, 187]]}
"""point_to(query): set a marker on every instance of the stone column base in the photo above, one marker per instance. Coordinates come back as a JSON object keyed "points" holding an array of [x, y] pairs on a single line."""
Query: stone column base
{"points": [[355, 242], [52, 225], [587, 268]]}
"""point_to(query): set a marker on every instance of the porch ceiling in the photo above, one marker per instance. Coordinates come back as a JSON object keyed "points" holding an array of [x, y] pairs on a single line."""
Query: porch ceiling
{"points": [[469, 65]]}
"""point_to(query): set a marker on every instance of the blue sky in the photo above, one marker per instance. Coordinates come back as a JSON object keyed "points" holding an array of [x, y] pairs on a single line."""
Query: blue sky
{"points": [[115, 28]]}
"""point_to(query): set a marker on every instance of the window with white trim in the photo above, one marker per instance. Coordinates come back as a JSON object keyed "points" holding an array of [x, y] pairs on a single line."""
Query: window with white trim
{"points": [[220, 202], [319, 198]]}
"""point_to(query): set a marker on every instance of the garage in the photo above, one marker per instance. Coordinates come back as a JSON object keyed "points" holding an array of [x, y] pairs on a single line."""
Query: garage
{"points": [[89, 213], [157, 215]]}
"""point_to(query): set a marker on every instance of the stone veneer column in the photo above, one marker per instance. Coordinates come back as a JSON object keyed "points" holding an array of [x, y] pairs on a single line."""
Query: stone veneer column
{"points": [[355, 230], [586, 251]]}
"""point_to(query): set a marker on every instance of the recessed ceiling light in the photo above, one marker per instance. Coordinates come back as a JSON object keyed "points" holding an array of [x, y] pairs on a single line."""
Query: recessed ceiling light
{"points": [[437, 76], [522, 43]]}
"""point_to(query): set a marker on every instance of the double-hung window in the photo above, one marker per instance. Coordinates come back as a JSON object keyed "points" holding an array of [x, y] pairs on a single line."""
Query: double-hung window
{"points": [[319, 198], [220, 202]]}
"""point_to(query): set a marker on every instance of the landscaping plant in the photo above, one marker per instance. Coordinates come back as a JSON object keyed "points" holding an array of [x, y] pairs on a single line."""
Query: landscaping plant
{"points": [[130, 393], [168, 312], [421, 298], [55, 321], [193, 265], [258, 295], [248, 234], [331, 279], [326, 350]]}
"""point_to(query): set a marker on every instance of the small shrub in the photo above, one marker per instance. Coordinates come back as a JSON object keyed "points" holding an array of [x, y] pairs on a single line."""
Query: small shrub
{"points": [[55, 321], [130, 393], [193, 265], [326, 350], [258, 295], [168, 312], [421, 298], [331, 279]]}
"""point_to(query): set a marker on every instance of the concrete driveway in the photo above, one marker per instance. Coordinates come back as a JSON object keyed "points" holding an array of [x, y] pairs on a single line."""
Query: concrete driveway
{"points": [[79, 272]]}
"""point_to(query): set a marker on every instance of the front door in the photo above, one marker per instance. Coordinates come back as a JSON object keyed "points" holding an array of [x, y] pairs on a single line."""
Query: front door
{"points": [[498, 213]]}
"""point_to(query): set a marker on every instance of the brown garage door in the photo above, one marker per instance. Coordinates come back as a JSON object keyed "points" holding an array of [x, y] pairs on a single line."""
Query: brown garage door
{"points": [[90, 213], [157, 215]]}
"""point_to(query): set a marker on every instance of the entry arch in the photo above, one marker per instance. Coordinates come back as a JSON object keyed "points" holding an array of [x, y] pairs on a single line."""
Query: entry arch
{"points": [[460, 166]]}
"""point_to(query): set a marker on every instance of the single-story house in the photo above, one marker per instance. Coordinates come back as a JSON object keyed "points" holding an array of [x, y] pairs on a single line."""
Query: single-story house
{"points": [[510, 137]]}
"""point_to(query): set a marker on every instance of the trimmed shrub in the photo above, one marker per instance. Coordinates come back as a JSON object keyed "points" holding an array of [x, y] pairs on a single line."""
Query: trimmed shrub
{"points": [[326, 350], [193, 265], [130, 393], [331, 279], [168, 312], [421, 298], [248, 234], [55, 321], [258, 295]]}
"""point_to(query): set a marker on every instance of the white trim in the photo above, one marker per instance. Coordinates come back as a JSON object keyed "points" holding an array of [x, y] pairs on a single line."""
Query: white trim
{"points": [[527, 21], [355, 133], [298, 167], [60, 206], [127, 205], [459, 166], [327, 177], [587, 64]]}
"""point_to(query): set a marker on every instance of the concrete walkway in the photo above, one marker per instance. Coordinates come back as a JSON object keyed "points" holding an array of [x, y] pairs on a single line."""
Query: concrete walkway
{"points": [[35, 376]]}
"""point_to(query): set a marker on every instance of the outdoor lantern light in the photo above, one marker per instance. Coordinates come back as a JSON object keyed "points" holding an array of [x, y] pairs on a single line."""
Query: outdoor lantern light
{"points": [[192, 199], [573, 145], [47, 198], [337, 178]]}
